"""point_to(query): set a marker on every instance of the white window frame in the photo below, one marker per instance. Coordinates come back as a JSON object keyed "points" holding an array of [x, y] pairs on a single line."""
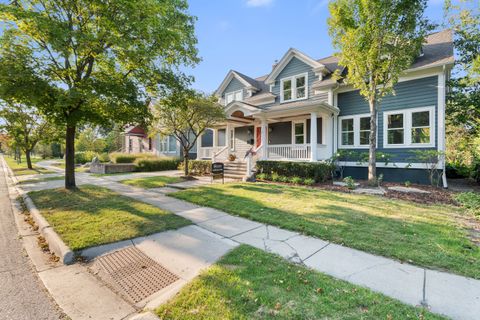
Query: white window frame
{"points": [[304, 122], [356, 131], [165, 141], [234, 94], [293, 80], [407, 128]]}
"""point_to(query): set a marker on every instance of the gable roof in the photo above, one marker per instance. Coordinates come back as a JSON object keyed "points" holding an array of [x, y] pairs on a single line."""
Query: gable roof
{"points": [[248, 82]]}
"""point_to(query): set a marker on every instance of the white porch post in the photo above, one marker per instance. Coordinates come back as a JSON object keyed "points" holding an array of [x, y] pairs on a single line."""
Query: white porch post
{"points": [[313, 136], [264, 126], [227, 137]]}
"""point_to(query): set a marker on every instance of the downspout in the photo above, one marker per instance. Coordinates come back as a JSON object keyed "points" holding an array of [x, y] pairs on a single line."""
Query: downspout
{"points": [[444, 174]]}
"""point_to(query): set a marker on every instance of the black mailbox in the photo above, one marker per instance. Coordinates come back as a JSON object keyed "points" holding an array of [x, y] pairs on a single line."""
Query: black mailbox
{"points": [[218, 170]]}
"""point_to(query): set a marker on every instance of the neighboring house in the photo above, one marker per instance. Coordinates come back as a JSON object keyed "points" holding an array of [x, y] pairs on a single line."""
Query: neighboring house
{"points": [[299, 112], [138, 141]]}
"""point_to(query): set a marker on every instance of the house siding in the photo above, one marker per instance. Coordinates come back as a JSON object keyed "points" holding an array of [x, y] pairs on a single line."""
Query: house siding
{"points": [[409, 94], [293, 68], [234, 85]]}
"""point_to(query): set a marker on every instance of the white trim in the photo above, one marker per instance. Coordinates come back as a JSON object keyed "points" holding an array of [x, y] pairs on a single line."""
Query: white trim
{"points": [[304, 122], [441, 112], [356, 131], [407, 128], [231, 138], [229, 77], [317, 66], [167, 144], [234, 93], [392, 165], [293, 80]]}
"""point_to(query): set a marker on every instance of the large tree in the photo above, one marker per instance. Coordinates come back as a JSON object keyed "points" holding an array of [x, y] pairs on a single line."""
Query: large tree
{"points": [[98, 61], [376, 42], [27, 127], [186, 114]]}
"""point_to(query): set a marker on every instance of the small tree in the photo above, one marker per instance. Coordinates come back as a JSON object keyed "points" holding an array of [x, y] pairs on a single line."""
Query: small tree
{"points": [[186, 114], [377, 42], [27, 127], [430, 159]]}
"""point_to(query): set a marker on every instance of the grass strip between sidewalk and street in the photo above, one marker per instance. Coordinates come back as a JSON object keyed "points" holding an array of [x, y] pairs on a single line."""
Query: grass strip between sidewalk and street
{"points": [[20, 169], [151, 182], [37, 180], [428, 236], [92, 216], [248, 283]]}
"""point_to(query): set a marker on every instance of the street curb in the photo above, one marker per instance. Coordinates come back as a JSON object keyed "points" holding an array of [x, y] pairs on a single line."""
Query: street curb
{"points": [[54, 241]]}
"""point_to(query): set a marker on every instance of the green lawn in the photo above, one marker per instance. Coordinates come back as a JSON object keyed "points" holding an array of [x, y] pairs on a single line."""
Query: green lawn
{"points": [[92, 216], [42, 179], [20, 169], [428, 236], [250, 284], [151, 182]]}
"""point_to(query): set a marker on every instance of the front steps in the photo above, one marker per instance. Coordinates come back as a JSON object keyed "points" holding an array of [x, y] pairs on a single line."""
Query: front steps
{"points": [[235, 170]]}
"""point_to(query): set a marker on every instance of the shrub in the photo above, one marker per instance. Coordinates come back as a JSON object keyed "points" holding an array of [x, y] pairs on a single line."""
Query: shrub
{"points": [[125, 159], [284, 179], [457, 171], [197, 167], [308, 182], [469, 200], [408, 183], [319, 171], [160, 164], [104, 157], [296, 180], [350, 183], [262, 176], [275, 177], [118, 157], [82, 157]]}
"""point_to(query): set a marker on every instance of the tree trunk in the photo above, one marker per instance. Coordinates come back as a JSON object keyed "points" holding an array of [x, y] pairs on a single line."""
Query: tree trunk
{"points": [[185, 162], [70, 158], [372, 161], [29, 160]]}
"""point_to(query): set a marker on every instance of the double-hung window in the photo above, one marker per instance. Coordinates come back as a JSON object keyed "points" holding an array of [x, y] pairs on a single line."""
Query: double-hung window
{"points": [[354, 131], [168, 144], [299, 132], [409, 128], [233, 96], [294, 88]]}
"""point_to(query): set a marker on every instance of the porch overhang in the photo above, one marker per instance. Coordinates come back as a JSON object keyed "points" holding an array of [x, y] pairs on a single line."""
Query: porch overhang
{"points": [[297, 108]]}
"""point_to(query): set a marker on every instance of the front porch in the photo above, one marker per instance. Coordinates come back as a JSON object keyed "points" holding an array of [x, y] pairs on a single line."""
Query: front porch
{"points": [[284, 133]]}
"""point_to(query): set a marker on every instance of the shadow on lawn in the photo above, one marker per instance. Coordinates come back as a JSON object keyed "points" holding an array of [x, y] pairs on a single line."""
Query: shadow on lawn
{"points": [[425, 243]]}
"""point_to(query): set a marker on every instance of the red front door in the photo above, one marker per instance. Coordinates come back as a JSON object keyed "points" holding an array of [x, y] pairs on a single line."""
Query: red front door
{"points": [[258, 137]]}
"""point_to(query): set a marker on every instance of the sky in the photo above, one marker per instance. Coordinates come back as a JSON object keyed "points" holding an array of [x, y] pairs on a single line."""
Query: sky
{"points": [[249, 35]]}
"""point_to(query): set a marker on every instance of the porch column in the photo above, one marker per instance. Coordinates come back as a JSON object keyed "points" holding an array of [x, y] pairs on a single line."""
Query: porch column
{"points": [[313, 136], [227, 137], [264, 126]]}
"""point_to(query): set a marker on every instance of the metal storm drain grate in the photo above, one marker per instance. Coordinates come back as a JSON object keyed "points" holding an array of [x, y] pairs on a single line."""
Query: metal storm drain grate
{"points": [[133, 273]]}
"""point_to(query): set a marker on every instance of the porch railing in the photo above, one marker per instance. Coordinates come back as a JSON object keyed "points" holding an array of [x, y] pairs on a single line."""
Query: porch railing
{"points": [[289, 151]]}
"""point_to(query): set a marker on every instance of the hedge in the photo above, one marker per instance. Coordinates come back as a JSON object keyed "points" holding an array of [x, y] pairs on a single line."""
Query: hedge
{"points": [[82, 157], [118, 157], [319, 171], [148, 165], [125, 159], [197, 167]]}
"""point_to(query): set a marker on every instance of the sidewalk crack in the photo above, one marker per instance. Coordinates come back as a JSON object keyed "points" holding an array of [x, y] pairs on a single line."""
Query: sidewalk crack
{"points": [[316, 251]]}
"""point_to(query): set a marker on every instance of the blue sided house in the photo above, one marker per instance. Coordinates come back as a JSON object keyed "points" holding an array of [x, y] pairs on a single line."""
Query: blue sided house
{"points": [[300, 112]]}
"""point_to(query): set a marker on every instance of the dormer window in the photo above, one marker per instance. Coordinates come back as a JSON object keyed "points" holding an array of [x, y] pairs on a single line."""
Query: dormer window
{"points": [[294, 88], [233, 96]]}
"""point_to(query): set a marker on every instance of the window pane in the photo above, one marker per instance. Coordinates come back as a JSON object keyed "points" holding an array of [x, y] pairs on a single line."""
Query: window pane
{"points": [[395, 136], [347, 125], [364, 137], [229, 98], [287, 94], [421, 119], [364, 123], [300, 93], [347, 138], [287, 84], [172, 143], [298, 128], [421, 135], [300, 82], [299, 139], [238, 96], [395, 121]]}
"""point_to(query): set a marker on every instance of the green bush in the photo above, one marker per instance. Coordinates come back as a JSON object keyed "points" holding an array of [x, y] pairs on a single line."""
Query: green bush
{"points": [[82, 157], [284, 179], [262, 176], [318, 171], [275, 177], [118, 157], [104, 157], [470, 201], [296, 180], [308, 182], [125, 159], [197, 167], [350, 183], [161, 164]]}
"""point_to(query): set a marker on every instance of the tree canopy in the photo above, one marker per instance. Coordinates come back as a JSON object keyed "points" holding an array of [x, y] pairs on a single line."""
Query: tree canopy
{"points": [[93, 61], [376, 42]]}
